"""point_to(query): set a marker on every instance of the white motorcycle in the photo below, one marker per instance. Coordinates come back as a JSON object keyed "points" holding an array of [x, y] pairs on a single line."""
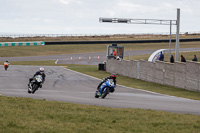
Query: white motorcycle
{"points": [[35, 84]]}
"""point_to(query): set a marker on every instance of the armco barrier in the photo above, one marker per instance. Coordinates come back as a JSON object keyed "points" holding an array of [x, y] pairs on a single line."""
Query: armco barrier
{"points": [[119, 42], [21, 43], [178, 74]]}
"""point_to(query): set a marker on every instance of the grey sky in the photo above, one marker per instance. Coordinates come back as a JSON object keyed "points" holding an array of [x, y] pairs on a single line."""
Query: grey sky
{"points": [[82, 16]]}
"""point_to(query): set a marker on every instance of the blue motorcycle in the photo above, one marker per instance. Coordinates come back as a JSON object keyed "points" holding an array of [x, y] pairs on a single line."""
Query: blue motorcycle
{"points": [[104, 89]]}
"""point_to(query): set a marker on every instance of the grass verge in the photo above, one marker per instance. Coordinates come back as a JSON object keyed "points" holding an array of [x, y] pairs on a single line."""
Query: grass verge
{"points": [[85, 48], [29, 115], [188, 56]]}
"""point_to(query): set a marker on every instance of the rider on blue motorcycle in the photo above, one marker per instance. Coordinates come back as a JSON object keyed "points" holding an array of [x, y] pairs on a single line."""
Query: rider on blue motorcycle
{"points": [[113, 77]]}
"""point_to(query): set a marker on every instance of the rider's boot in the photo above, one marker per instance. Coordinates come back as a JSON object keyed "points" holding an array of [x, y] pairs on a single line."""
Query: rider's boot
{"points": [[98, 93]]}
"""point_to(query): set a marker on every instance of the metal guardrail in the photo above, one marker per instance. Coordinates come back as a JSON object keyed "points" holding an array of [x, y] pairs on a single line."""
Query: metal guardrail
{"points": [[118, 42], [91, 42]]}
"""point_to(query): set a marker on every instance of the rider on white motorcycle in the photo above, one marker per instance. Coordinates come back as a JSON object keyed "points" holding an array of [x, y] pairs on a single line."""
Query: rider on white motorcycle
{"points": [[40, 72]]}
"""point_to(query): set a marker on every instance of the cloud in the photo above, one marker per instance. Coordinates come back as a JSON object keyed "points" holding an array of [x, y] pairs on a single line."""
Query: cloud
{"points": [[66, 2], [133, 7], [35, 19], [80, 16], [47, 20]]}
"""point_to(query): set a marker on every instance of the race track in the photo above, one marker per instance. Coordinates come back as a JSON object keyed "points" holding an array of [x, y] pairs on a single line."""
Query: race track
{"points": [[68, 86]]}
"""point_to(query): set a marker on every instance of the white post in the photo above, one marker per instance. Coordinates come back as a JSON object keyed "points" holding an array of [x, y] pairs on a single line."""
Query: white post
{"points": [[170, 41], [177, 34], [138, 70]]}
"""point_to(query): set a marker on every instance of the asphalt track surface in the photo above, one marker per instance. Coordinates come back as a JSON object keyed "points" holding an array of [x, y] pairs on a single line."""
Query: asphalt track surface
{"points": [[68, 86]]}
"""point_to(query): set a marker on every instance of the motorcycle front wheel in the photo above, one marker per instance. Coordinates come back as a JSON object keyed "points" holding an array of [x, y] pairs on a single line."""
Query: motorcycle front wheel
{"points": [[35, 87], [96, 94], [29, 91], [6, 67], [105, 92]]}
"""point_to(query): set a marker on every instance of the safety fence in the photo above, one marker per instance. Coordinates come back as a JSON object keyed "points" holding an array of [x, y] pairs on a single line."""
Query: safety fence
{"points": [[21, 43], [75, 35], [14, 35]]}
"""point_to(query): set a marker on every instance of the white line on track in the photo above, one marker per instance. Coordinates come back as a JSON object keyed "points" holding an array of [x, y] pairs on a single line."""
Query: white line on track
{"points": [[118, 84], [82, 73]]}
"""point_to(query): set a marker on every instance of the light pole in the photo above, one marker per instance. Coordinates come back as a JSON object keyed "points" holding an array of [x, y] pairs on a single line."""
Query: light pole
{"points": [[177, 34], [170, 40], [150, 21]]}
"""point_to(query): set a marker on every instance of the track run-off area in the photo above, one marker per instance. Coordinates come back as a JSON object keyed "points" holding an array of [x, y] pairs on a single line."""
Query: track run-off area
{"points": [[69, 86]]}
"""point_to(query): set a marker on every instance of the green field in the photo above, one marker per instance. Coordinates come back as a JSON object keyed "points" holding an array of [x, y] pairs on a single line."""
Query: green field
{"points": [[24, 115], [86, 48]]}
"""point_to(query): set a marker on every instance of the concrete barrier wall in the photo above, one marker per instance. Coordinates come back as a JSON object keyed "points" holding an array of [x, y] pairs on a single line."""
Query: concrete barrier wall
{"points": [[124, 68], [181, 75], [168, 73], [192, 76], [159, 73], [21, 43]]}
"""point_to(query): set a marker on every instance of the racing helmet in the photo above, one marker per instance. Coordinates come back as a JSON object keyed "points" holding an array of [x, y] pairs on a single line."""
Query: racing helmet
{"points": [[41, 69], [113, 76]]}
